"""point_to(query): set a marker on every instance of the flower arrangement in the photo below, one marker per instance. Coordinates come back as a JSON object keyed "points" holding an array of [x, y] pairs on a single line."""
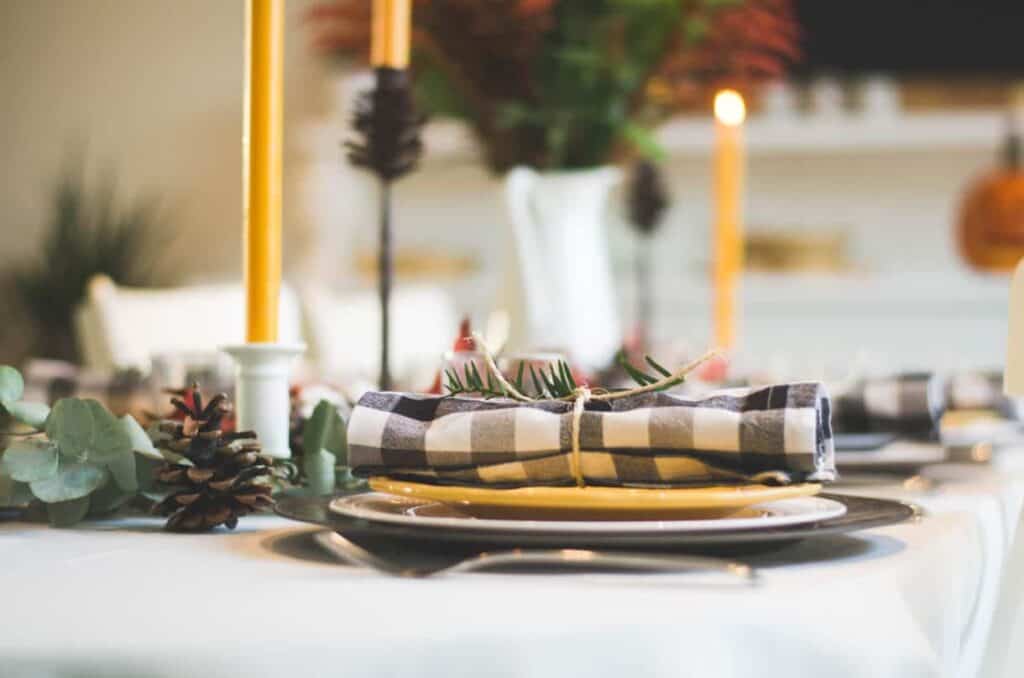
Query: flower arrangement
{"points": [[562, 84]]}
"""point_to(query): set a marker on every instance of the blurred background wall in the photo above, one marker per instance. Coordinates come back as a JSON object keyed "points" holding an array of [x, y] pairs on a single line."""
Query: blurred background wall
{"points": [[151, 91]]}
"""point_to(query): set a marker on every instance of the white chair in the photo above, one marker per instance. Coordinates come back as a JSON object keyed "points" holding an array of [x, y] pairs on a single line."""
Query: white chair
{"points": [[125, 327], [343, 333]]}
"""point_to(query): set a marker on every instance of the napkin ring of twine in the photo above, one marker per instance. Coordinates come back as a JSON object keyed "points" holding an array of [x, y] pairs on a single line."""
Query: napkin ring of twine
{"points": [[584, 394]]}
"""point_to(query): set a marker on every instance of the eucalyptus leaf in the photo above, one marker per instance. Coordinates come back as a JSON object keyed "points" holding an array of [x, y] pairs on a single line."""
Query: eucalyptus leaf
{"points": [[67, 513], [107, 499], [325, 430], [346, 481], [319, 469], [12, 386], [156, 496], [123, 471], [71, 426], [14, 493], [175, 458], [314, 432], [156, 435], [72, 481], [337, 444], [138, 438], [145, 472], [28, 460], [110, 439], [32, 414]]}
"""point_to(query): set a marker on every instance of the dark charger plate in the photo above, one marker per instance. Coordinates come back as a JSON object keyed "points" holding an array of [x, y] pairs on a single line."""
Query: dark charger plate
{"points": [[861, 513]]}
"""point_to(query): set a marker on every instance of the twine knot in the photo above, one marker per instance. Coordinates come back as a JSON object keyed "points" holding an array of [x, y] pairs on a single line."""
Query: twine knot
{"points": [[583, 395]]}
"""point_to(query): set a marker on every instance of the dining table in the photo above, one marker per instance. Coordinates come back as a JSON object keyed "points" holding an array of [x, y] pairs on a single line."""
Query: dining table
{"points": [[940, 595]]}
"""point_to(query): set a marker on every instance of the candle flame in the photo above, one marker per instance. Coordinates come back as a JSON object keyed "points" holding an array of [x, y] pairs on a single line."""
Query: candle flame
{"points": [[729, 108]]}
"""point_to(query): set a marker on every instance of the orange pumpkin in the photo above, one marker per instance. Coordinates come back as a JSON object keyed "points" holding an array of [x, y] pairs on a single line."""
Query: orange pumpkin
{"points": [[991, 228]]}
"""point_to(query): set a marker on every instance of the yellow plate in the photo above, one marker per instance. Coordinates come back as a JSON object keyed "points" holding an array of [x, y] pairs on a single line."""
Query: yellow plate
{"points": [[961, 418], [699, 499]]}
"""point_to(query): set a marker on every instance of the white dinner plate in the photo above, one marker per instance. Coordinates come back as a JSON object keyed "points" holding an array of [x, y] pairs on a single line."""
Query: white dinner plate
{"points": [[410, 512]]}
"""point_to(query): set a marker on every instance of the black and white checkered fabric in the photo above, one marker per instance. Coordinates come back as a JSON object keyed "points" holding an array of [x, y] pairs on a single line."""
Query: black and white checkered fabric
{"points": [[777, 433], [910, 404]]}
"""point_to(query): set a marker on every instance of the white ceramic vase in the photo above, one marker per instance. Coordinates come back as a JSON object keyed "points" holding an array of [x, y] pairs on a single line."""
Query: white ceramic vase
{"points": [[559, 285]]}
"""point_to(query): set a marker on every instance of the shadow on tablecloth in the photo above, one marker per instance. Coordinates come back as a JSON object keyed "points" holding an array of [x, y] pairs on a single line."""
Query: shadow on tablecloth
{"points": [[835, 548], [299, 545]]}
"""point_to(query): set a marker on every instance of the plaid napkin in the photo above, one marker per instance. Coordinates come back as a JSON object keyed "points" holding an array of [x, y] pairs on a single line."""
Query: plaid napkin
{"points": [[769, 434], [910, 404]]}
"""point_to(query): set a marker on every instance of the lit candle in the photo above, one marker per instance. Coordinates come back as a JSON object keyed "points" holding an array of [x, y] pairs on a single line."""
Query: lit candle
{"points": [[392, 22], [730, 112], [262, 149]]}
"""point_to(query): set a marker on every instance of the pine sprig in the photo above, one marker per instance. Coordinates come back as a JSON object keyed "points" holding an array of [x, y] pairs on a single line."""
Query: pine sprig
{"points": [[643, 378], [555, 381], [473, 383], [657, 367]]}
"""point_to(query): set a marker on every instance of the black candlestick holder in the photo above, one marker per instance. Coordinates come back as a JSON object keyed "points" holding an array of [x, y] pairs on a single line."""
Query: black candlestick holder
{"points": [[389, 145]]}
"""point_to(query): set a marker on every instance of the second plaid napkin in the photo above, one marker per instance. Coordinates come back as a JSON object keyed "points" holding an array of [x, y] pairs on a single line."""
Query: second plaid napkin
{"points": [[912, 404]]}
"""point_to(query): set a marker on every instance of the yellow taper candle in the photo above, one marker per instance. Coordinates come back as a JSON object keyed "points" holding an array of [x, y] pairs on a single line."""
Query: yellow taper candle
{"points": [[392, 24], [262, 150], [730, 112]]}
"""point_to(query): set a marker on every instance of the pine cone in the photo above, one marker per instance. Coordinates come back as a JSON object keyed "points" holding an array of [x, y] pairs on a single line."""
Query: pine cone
{"points": [[388, 127], [228, 476]]}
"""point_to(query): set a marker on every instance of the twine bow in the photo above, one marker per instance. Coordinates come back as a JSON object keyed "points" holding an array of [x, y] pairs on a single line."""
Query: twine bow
{"points": [[584, 394]]}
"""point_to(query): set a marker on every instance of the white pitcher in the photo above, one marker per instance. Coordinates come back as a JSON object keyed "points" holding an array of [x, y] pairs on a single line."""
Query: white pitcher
{"points": [[562, 264]]}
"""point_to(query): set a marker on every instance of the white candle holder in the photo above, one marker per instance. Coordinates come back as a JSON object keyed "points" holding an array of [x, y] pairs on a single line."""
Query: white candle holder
{"points": [[262, 401]]}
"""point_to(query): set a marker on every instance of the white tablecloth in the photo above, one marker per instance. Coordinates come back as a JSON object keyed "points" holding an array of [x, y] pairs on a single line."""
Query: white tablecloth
{"points": [[122, 598]]}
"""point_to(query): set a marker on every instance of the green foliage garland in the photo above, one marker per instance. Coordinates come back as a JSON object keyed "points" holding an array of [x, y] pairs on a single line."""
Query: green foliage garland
{"points": [[77, 459], [325, 450]]}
